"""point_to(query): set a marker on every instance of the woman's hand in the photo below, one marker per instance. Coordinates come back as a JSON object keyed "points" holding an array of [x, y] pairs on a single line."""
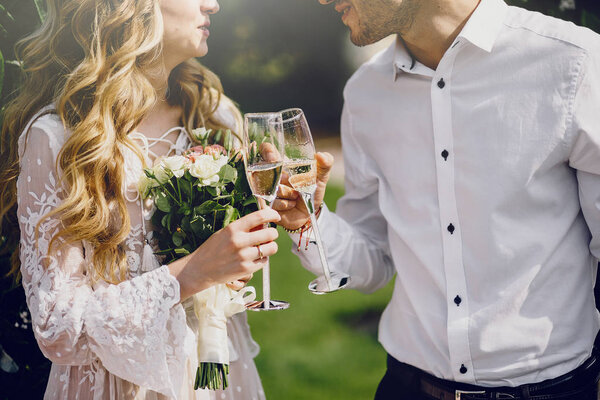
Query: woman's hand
{"points": [[230, 255], [240, 283], [289, 204]]}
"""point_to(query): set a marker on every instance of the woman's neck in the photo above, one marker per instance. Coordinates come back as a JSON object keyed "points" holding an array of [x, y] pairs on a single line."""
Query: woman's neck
{"points": [[162, 117]]}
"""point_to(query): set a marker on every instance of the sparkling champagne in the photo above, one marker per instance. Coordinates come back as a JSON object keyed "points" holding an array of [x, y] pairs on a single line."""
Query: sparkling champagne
{"points": [[264, 179], [303, 175]]}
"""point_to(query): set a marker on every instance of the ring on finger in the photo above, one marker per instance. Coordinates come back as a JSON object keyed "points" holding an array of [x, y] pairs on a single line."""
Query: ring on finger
{"points": [[260, 253]]}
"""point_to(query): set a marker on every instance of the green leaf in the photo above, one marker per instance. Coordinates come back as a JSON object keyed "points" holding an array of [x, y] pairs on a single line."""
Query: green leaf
{"points": [[181, 251], [184, 209], [186, 189], [177, 238], [198, 225], [228, 141], [162, 202], [41, 11], [231, 214], [208, 207], [249, 200], [212, 191], [166, 222], [185, 223], [218, 136], [227, 174], [6, 12]]}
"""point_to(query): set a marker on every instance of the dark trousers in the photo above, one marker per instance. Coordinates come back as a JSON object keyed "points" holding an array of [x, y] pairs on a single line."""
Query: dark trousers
{"points": [[404, 382]]}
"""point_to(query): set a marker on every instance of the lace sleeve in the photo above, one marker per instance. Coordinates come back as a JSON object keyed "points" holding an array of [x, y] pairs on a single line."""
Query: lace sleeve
{"points": [[134, 328]]}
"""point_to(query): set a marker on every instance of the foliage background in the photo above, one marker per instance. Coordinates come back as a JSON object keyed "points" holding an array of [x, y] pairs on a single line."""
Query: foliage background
{"points": [[270, 54]]}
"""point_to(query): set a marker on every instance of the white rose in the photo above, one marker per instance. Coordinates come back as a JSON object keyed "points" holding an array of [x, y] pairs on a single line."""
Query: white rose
{"points": [[200, 133], [161, 175], [206, 168], [145, 184], [176, 164]]}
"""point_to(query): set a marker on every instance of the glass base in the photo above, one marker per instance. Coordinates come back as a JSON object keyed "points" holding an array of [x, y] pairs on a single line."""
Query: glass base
{"points": [[320, 286], [273, 305]]}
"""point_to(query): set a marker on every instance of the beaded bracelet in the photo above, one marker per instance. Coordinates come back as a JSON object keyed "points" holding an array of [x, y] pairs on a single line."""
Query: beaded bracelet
{"points": [[306, 224], [305, 228]]}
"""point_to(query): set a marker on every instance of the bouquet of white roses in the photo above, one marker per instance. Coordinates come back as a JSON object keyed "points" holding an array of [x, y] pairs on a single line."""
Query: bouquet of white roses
{"points": [[196, 194]]}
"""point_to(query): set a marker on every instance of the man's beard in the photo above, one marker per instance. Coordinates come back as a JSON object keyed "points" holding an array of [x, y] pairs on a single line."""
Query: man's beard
{"points": [[382, 18]]}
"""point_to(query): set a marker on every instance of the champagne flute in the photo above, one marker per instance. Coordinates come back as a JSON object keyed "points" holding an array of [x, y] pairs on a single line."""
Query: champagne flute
{"points": [[263, 159], [301, 167]]}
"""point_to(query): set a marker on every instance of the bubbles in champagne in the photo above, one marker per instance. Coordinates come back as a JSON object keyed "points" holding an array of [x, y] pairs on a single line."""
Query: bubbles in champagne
{"points": [[303, 175], [264, 179]]}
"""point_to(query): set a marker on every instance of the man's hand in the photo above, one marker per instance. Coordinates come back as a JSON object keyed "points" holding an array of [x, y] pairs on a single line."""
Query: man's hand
{"points": [[289, 204]]}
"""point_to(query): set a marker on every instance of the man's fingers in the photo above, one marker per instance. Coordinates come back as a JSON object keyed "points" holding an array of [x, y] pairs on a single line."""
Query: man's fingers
{"points": [[324, 164], [257, 218], [269, 152], [286, 192], [283, 205], [285, 179]]}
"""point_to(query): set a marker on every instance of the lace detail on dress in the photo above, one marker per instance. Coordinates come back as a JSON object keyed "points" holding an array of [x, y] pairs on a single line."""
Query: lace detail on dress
{"points": [[123, 341]]}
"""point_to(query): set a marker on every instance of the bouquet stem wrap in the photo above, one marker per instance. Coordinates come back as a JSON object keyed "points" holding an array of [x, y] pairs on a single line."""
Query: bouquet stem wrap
{"points": [[212, 308]]}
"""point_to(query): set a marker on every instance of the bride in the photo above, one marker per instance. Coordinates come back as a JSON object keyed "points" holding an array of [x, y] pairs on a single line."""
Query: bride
{"points": [[109, 86]]}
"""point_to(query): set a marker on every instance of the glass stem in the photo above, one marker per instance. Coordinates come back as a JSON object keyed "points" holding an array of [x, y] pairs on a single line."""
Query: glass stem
{"points": [[309, 202], [266, 271]]}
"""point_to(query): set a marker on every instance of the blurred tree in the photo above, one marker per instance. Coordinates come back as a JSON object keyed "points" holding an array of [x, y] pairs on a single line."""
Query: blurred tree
{"points": [[23, 368], [274, 54]]}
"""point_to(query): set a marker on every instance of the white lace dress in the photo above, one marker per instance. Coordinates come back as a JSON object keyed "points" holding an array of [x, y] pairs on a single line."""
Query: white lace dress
{"points": [[127, 341]]}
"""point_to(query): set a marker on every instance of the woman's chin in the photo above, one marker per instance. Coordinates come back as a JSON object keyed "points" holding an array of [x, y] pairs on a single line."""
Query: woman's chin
{"points": [[201, 51]]}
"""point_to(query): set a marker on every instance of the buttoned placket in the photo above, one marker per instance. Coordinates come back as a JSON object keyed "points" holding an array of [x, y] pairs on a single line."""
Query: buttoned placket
{"points": [[457, 299]]}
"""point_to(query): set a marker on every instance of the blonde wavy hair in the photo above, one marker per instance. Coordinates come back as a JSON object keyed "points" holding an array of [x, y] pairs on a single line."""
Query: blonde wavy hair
{"points": [[91, 59]]}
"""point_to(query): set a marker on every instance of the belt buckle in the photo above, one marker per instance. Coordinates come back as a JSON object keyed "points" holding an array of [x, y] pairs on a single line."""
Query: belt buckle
{"points": [[458, 393]]}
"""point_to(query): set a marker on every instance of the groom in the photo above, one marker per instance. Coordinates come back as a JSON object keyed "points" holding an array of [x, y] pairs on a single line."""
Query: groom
{"points": [[472, 156]]}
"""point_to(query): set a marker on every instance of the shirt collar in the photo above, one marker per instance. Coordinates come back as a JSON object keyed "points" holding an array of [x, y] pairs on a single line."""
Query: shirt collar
{"points": [[481, 30], [403, 60], [483, 27]]}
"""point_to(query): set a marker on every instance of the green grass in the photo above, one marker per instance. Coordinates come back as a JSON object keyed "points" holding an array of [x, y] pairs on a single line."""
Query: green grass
{"points": [[322, 347]]}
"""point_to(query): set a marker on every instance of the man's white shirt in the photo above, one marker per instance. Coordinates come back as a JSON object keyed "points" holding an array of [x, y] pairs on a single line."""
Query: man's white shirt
{"points": [[478, 184]]}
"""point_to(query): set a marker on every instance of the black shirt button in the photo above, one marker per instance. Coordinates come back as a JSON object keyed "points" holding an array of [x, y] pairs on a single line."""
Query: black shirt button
{"points": [[457, 300], [463, 369], [441, 83], [445, 154], [451, 229]]}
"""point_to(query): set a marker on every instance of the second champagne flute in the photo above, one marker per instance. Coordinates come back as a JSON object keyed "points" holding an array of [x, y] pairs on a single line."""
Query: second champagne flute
{"points": [[301, 166], [263, 158]]}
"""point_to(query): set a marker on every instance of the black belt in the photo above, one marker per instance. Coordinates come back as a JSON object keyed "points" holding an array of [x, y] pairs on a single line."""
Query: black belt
{"points": [[565, 386]]}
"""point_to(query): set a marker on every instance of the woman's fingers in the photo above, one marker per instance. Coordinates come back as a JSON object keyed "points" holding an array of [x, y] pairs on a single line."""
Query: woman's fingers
{"points": [[240, 283], [259, 237], [252, 253], [257, 218], [236, 285], [246, 278]]}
